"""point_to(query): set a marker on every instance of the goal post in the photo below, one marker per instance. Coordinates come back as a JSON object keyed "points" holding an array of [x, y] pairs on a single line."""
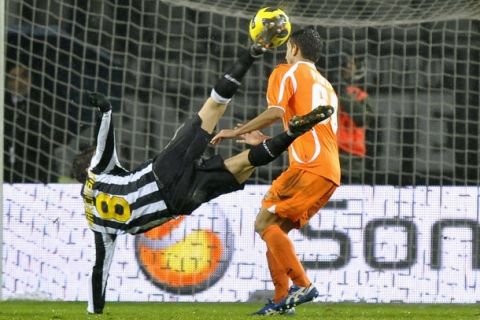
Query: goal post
{"points": [[2, 92], [157, 60]]}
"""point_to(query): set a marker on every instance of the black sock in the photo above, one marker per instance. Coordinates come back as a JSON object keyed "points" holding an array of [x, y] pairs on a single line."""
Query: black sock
{"points": [[228, 84], [269, 150]]}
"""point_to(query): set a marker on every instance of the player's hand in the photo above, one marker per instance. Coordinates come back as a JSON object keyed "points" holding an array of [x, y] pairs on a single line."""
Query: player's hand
{"points": [[224, 134], [252, 138], [99, 101]]}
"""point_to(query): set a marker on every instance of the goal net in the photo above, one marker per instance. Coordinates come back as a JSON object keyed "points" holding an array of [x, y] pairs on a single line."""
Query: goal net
{"points": [[407, 74]]}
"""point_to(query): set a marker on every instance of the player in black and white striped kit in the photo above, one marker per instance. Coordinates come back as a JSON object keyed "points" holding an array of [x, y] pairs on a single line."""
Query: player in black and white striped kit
{"points": [[177, 180]]}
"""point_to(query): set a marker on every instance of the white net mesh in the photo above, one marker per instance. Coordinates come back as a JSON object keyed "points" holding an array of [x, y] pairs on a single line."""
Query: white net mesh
{"points": [[417, 60], [347, 12]]}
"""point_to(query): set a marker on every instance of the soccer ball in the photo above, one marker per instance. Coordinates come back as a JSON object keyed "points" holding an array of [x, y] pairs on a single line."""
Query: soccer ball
{"points": [[264, 16]]}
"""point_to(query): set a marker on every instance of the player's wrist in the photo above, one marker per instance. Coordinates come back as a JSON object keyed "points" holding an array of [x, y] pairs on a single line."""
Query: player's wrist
{"points": [[257, 51], [105, 107], [99, 101]]}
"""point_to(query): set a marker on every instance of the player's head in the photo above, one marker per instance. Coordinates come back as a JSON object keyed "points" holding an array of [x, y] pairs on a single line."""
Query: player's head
{"points": [[353, 69], [18, 80], [304, 43], [81, 163]]}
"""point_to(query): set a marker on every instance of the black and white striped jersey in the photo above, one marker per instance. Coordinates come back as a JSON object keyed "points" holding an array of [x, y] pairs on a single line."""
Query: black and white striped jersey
{"points": [[118, 201]]}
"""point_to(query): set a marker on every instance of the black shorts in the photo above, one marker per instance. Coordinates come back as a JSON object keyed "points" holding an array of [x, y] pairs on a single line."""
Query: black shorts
{"points": [[187, 180]]}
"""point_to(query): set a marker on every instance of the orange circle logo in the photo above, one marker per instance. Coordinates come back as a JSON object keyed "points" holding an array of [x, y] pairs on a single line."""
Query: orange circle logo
{"points": [[184, 256]]}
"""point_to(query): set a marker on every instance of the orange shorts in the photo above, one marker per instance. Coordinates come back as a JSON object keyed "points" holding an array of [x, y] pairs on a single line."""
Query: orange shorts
{"points": [[297, 195]]}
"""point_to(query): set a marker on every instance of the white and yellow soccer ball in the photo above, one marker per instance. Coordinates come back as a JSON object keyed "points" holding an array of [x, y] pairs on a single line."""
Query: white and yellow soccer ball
{"points": [[263, 17]]}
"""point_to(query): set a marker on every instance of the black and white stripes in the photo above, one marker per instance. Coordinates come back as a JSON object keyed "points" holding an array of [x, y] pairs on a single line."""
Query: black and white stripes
{"points": [[120, 201]]}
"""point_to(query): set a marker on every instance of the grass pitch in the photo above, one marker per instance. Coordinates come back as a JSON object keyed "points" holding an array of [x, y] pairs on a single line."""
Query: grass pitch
{"points": [[232, 311]]}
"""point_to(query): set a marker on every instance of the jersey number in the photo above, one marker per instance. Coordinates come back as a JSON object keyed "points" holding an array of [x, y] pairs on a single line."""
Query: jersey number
{"points": [[112, 207], [321, 96]]}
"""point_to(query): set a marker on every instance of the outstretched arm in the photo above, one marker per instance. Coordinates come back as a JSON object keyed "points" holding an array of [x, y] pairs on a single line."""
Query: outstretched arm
{"points": [[277, 105], [263, 120], [243, 164], [252, 138], [105, 157]]}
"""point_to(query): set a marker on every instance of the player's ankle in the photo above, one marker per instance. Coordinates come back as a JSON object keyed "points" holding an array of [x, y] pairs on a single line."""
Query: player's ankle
{"points": [[257, 51], [293, 135]]}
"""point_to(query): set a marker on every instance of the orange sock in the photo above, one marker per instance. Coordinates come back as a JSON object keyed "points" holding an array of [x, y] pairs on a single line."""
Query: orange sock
{"points": [[279, 277], [281, 247]]}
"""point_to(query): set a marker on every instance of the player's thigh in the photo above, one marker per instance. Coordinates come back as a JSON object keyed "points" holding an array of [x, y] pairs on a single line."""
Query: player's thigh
{"points": [[297, 194], [210, 179], [266, 218], [189, 135], [328, 188], [188, 144], [240, 166], [210, 113]]}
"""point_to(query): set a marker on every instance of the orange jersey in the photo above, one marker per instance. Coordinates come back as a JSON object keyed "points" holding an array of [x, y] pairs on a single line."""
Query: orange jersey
{"points": [[297, 89]]}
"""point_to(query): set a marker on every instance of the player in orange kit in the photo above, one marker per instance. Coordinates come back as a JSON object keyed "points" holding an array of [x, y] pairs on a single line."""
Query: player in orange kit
{"points": [[295, 88]]}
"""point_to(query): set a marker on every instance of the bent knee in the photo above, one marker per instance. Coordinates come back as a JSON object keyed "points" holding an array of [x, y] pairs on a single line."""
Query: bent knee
{"points": [[260, 226], [264, 219]]}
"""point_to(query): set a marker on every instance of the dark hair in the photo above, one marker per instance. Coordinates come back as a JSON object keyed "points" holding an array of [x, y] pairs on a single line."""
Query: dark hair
{"points": [[309, 42], [80, 164]]}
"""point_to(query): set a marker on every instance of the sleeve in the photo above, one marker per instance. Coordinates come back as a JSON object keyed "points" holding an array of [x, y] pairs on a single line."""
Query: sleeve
{"points": [[97, 282], [281, 88], [105, 157], [354, 102]]}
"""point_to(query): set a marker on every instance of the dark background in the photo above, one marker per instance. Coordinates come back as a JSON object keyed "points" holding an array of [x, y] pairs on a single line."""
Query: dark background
{"points": [[158, 62]]}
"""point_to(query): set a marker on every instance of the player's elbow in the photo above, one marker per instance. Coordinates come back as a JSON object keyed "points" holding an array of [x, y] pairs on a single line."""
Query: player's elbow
{"points": [[276, 113], [81, 163]]}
